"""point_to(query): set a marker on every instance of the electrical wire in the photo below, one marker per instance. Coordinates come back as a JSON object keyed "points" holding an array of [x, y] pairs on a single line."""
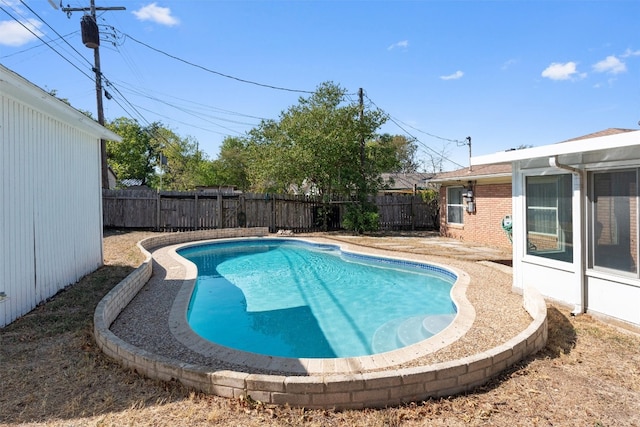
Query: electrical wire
{"points": [[54, 30], [193, 113], [147, 125], [119, 43], [136, 112], [203, 117], [397, 123], [38, 46], [192, 125], [199, 106], [213, 71], [44, 41]]}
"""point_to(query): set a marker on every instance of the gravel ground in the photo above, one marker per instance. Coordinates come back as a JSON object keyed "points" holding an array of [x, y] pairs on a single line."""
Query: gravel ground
{"points": [[145, 321], [52, 374]]}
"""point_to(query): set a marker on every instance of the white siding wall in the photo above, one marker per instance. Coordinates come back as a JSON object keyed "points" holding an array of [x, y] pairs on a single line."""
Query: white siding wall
{"points": [[51, 213], [550, 282], [614, 299]]}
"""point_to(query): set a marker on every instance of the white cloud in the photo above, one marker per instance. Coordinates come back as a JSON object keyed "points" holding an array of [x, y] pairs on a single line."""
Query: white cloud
{"points": [[401, 45], [507, 64], [611, 65], [154, 13], [558, 71], [14, 34], [627, 53], [455, 76]]}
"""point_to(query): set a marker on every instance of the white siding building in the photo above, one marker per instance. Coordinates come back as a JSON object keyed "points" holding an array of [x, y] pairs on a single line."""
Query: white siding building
{"points": [[50, 194], [575, 222]]}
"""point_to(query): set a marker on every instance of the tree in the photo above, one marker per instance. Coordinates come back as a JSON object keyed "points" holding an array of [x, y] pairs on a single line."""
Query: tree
{"points": [[140, 155], [318, 144], [394, 153], [231, 165], [134, 157], [187, 167], [435, 161]]}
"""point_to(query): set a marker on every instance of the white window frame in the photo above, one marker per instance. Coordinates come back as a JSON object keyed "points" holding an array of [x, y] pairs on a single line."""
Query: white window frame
{"points": [[455, 205], [592, 225], [530, 250]]}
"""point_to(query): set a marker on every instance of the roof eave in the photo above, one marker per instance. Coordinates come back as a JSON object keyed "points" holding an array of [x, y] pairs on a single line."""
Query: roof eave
{"points": [[18, 87], [607, 142], [462, 178]]}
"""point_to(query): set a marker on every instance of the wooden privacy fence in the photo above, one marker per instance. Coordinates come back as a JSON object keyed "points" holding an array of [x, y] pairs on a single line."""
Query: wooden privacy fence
{"points": [[200, 210]]}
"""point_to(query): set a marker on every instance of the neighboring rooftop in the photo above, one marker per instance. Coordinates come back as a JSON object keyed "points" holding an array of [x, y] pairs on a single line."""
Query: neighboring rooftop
{"points": [[606, 132], [398, 182], [474, 173]]}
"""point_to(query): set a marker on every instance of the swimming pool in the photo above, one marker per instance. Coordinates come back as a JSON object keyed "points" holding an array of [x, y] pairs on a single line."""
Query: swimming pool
{"points": [[288, 298]]}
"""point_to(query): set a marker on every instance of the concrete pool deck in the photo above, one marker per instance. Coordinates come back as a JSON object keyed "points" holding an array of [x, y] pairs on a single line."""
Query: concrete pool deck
{"points": [[141, 324]]}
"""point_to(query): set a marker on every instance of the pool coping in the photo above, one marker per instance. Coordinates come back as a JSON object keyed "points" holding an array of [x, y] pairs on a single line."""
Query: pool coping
{"points": [[181, 330], [342, 388]]}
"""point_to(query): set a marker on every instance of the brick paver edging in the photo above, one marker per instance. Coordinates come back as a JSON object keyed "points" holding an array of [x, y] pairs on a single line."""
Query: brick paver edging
{"points": [[358, 390]]}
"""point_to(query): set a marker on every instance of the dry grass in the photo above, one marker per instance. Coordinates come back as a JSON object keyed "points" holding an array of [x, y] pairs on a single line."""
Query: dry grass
{"points": [[52, 374]]}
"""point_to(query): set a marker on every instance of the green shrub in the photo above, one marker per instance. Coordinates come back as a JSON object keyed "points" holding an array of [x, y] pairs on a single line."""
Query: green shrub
{"points": [[361, 219]]}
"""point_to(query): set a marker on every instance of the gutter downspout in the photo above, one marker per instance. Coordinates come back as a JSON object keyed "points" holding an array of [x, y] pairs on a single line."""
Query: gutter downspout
{"points": [[580, 307]]}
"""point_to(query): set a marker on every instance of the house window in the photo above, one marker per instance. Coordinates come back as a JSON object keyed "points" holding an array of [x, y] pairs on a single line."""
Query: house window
{"points": [[455, 207], [549, 217], [614, 210]]}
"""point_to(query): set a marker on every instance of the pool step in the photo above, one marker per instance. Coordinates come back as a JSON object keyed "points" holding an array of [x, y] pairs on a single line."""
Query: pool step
{"points": [[405, 331], [411, 331], [384, 339], [437, 322]]}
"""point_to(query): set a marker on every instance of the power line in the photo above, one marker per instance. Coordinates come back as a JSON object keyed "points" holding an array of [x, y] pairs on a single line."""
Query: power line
{"points": [[148, 125], [126, 101], [216, 72], [191, 112], [58, 34], [90, 29], [457, 141], [133, 107], [395, 121], [192, 125], [426, 146], [37, 46], [44, 41], [148, 95]]}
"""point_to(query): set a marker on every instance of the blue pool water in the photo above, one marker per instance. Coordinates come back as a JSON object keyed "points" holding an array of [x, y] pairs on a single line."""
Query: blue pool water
{"points": [[295, 299]]}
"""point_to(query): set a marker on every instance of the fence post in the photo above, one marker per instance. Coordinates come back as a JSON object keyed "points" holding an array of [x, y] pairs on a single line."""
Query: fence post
{"points": [[413, 214], [197, 217], [220, 214], [158, 210], [242, 208], [272, 225]]}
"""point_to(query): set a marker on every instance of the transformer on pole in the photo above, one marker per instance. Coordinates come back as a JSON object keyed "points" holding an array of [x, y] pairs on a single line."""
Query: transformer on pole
{"points": [[91, 39]]}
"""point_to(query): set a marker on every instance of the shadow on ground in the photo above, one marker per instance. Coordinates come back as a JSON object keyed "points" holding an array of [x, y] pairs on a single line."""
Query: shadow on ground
{"points": [[52, 368], [561, 340]]}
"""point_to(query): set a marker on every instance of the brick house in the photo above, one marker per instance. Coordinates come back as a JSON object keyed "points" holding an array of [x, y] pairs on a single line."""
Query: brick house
{"points": [[473, 202]]}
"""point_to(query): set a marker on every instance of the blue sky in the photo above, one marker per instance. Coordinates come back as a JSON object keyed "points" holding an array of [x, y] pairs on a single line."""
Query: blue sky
{"points": [[505, 73]]}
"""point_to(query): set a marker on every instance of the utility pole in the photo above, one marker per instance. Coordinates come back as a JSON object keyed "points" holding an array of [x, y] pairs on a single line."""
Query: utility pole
{"points": [[468, 143], [361, 104], [91, 39]]}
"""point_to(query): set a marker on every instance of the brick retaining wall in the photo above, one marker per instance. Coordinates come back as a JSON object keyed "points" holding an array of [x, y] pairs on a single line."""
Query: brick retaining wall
{"points": [[369, 389]]}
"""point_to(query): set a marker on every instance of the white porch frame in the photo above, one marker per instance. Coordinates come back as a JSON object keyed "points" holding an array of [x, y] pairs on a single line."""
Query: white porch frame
{"points": [[607, 294]]}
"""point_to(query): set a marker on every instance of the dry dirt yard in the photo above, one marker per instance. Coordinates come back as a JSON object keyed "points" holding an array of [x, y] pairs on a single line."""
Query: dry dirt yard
{"points": [[52, 374]]}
